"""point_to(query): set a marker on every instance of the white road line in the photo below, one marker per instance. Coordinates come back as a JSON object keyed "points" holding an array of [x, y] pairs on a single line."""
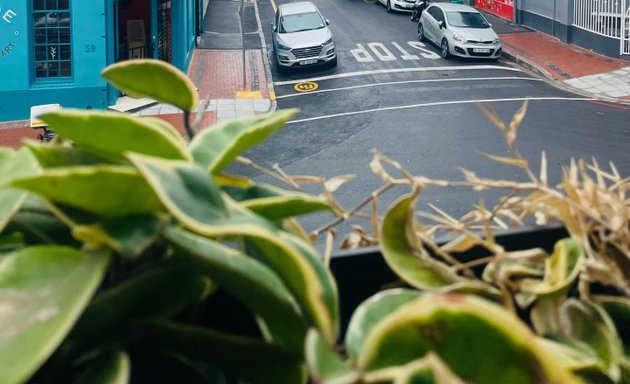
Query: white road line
{"points": [[437, 104], [409, 82], [397, 70]]}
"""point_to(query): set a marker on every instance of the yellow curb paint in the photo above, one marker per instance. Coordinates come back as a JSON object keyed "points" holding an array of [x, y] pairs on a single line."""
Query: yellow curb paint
{"points": [[273, 5], [272, 95], [249, 95], [306, 86]]}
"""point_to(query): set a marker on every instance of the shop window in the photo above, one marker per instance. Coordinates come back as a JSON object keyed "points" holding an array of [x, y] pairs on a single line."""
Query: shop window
{"points": [[51, 39]]}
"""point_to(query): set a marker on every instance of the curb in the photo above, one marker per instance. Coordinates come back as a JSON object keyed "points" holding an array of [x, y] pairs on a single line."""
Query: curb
{"points": [[509, 56], [265, 58], [519, 60]]}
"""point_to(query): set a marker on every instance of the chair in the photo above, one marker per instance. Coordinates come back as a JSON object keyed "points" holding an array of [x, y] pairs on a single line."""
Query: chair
{"points": [[136, 39]]}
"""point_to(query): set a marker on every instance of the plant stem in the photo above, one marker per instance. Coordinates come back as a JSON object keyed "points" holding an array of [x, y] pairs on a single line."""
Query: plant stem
{"points": [[189, 131], [382, 189]]}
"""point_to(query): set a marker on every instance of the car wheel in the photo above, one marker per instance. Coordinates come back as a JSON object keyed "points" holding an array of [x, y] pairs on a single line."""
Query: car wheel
{"points": [[389, 6], [444, 51], [420, 32]]}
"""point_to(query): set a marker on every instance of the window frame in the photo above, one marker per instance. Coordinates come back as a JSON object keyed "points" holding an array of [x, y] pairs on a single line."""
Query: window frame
{"points": [[33, 59]]}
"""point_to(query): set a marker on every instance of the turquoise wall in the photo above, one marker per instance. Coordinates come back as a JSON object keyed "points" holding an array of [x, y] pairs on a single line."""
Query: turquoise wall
{"points": [[19, 89], [184, 34], [93, 44]]}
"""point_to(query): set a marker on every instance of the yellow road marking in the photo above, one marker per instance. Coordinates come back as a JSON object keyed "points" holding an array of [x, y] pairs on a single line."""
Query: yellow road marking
{"points": [[306, 86], [249, 95], [273, 5]]}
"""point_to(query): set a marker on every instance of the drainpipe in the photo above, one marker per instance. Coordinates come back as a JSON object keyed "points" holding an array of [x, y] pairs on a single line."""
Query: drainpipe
{"points": [[553, 20]]}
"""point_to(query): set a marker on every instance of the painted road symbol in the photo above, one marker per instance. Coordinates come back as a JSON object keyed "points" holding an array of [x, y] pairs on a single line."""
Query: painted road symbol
{"points": [[306, 86]]}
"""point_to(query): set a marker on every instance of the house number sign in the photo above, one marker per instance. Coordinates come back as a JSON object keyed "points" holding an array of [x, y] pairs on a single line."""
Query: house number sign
{"points": [[7, 17]]}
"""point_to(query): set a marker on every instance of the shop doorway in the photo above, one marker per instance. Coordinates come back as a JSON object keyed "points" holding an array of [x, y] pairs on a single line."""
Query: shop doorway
{"points": [[133, 27]]}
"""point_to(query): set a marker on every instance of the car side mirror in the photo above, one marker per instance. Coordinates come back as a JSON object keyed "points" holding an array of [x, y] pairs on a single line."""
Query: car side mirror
{"points": [[273, 27], [327, 22], [441, 24]]}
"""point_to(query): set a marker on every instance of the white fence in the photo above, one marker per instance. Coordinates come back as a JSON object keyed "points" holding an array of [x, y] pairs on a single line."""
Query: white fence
{"points": [[605, 17]]}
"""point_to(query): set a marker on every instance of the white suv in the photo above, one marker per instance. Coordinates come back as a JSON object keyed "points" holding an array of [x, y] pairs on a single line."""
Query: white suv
{"points": [[301, 36]]}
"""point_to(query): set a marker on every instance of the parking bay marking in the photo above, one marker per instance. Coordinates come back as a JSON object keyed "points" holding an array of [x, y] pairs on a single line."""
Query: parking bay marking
{"points": [[405, 82], [398, 70], [438, 103]]}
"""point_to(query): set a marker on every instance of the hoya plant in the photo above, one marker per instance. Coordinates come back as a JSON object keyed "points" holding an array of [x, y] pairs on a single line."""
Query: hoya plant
{"points": [[129, 253]]}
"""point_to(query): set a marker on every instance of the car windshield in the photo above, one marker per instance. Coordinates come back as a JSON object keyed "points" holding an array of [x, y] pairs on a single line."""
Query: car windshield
{"points": [[301, 22], [467, 20]]}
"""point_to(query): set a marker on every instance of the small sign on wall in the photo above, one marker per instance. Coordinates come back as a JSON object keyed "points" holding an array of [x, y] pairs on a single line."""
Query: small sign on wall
{"points": [[501, 8]]}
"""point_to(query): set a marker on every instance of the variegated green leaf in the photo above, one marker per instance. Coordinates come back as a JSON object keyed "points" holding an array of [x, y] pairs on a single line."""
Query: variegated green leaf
{"points": [[43, 291], [154, 79], [107, 368], [216, 147], [50, 155], [324, 364], [586, 324], [13, 165], [129, 235], [113, 134], [578, 361], [302, 271], [106, 190], [618, 309], [479, 341], [251, 282], [167, 127], [429, 369], [185, 189], [372, 311], [404, 254], [160, 291], [189, 194], [561, 269], [274, 203], [252, 360]]}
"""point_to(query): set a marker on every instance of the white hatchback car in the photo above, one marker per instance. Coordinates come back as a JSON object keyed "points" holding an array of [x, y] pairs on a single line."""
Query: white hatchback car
{"points": [[398, 5], [459, 30]]}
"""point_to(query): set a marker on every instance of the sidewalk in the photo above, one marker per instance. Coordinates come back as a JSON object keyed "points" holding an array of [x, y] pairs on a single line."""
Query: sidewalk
{"points": [[579, 69], [231, 69]]}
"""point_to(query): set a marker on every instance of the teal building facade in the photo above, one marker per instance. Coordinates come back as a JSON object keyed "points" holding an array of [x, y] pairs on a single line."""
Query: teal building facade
{"points": [[53, 51]]}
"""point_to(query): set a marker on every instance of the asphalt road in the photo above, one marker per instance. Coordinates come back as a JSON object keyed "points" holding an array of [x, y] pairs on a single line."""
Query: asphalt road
{"points": [[393, 94]]}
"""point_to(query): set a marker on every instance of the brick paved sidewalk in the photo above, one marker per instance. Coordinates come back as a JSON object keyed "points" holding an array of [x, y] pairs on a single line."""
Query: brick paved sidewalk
{"points": [[235, 83]]}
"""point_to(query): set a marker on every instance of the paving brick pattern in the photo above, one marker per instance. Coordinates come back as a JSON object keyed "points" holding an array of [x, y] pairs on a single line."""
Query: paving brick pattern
{"points": [[219, 74], [562, 61]]}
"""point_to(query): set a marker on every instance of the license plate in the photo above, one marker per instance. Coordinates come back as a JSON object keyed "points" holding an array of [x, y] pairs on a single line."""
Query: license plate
{"points": [[481, 50], [307, 62]]}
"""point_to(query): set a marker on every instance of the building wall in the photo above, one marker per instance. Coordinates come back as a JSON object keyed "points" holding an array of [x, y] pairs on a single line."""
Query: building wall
{"points": [[20, 89], [93, 35], [555, 18]]}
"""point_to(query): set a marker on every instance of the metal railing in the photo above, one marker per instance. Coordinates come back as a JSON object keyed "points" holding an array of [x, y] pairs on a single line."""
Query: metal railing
{"points": [[604, 17]]}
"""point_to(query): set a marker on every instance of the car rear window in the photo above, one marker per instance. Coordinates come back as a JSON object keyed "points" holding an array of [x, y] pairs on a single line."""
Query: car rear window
{"points": [[466, 20], [301, 22]]}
